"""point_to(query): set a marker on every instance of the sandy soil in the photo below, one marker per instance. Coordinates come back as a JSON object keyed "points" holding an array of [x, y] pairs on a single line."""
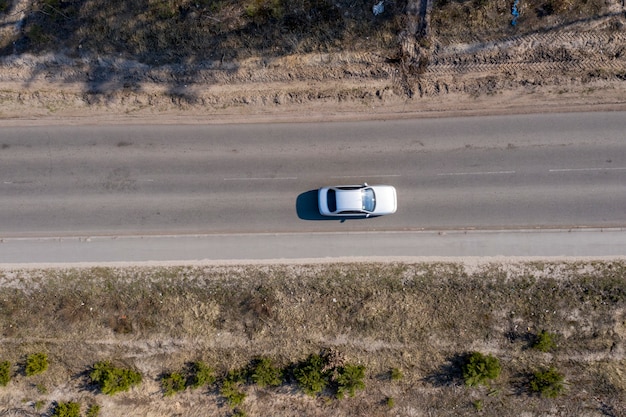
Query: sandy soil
{"points": [[369, 312], [575, 67]]}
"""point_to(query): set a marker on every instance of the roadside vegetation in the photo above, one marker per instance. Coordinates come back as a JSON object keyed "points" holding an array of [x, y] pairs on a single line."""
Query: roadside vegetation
{"points": [[310, 339], [211, 57], [158, 32]]}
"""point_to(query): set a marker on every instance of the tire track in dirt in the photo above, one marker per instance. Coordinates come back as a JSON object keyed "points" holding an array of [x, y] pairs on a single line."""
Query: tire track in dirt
{"points": [[560, 50], [544, 60]]}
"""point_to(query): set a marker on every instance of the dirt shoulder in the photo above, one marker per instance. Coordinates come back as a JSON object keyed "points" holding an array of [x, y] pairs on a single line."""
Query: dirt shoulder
{"points": [[579, 66], [49, 103], [419, 317]]}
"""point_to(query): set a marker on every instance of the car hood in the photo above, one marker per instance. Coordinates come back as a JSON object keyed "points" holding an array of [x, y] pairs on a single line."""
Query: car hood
{"points": [[386, 199]]}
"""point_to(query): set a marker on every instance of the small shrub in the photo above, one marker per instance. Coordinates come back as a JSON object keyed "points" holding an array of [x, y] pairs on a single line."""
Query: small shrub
{"points": [[396, 374], [41, 388], [36, 35], [39, 405], [390, 402], [111, 380], [172, 383], [350, 378], [164, 9], [548, 383], [544, 341], [5, 373], [311, 375], [231, 390], [264, 374], [36, 363], [70, 409], [478, 405], [93, 411], [200, 374], [262, 10], [479, 369]]}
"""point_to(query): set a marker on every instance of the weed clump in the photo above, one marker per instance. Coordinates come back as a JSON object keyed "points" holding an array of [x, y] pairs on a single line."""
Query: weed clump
{"points": [[200, 374], [349, 378], [172, 383], [312, 375], [396, 374], [548, 382], [545, 341], [265, 374], [112, 380], [93, 410], [479, 369], [36, 363], [5, 373], [231, 388], [69, 409]]}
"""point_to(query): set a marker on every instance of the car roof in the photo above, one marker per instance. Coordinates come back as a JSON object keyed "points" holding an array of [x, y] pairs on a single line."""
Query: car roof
{"points": [[349, 200]]}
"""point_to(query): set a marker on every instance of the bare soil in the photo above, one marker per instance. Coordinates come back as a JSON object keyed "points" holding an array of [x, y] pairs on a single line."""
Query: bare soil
{"points": [[60, 63], [419, 317]]}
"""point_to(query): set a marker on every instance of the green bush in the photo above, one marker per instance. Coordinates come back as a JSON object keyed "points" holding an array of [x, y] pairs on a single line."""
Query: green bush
{"points": [[111, 380], [545, 341], [349, 378], [479, 369], [70, 409], [5, 373], [311, 376], [548, 383], [93, 411], [173, 383], [200, 374], [396, 374], [36, 363], [231, 390], [390, 402], [264, 374]]}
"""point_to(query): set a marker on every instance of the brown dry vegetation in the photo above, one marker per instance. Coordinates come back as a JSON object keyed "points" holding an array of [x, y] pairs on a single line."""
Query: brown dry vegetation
{"points": [[420, 318], [211, 57]]}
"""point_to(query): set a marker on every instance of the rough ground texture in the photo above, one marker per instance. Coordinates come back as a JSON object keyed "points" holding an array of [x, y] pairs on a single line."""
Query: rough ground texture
{"points": [[62, 58], [422, 318]]}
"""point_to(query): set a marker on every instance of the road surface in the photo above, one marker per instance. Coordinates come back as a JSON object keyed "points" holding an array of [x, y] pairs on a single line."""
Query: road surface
{"points": [[553, 171]]}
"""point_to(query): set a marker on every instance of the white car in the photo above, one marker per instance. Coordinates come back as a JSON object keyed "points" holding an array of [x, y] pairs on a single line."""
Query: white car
{"points": [[357, 200]]}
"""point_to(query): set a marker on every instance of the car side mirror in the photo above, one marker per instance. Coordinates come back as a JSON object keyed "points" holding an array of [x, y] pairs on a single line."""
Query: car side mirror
{"points": [[365, 184], [367, 215]]}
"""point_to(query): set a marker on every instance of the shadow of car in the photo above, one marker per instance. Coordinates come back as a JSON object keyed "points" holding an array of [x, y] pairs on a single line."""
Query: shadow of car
{"points": [[307, 208]]}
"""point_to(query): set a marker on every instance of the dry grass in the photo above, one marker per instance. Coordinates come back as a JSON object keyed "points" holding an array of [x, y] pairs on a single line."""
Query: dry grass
{"points": [[490, 20], [190, 32], [420, 318], [199, 32]]}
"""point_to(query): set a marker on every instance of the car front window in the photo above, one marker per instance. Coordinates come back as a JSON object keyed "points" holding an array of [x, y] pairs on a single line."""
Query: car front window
{"points": [[332, 201], [369, 200]]}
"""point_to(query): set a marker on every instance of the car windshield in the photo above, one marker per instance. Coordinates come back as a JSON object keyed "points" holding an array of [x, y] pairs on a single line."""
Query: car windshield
{"points": [[332, 201], [369, 201]]}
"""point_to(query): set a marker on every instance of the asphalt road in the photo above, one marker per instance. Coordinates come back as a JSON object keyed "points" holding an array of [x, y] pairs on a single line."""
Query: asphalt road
{"points": [[553, 171], [312, 247]]}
